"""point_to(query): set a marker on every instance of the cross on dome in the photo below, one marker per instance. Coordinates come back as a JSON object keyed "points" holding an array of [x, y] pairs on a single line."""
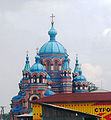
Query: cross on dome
{"points": [[27, 52], [52, 18]]}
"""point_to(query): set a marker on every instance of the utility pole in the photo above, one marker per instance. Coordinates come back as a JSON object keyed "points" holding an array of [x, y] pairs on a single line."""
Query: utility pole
{"points": [[2, 112]]}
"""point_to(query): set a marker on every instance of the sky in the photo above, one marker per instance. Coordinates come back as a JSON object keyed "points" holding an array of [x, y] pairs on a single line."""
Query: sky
{"points": [[83, 27]]}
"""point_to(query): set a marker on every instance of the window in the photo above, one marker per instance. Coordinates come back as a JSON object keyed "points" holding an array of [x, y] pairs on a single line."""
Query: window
{"points": [[26, 75], [35, 79], [78, 87], [83, 87], [56, 65], [40, 79], [65, 73], [48, 65]]}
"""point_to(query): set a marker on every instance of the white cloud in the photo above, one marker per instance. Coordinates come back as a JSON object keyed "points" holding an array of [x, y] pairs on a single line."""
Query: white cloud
{"points": [[106, 32], [92, 73]]}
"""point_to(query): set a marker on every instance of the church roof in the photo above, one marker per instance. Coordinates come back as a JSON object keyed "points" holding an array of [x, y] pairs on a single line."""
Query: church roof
{"points": [[16, 109], [19, 96], [27, 65], [66, 64], [76, 69]]}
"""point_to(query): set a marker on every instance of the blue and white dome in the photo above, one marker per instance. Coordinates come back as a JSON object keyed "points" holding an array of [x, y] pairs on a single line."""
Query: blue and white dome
{"points": [[52, 46], [80, 77], [37, 67]]}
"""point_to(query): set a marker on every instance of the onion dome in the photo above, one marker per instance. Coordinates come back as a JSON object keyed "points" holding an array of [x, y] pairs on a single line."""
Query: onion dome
{"points": [[66, 64], [37, 67], [52, 46], [76, 70], [27, 65], [49, 92], [80, 77]]}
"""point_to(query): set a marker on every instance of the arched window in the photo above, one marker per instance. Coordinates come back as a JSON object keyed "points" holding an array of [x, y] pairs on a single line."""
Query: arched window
{"points": [[48, 65], [83, 87], [35, 79], [34, 98], [78, 87], [40, 79], [65, 73], [56, 65], [26, 75]]}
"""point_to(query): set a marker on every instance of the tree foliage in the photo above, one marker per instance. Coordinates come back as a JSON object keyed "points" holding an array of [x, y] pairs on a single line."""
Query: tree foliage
{"points": [[92, 87], [5, 117]]}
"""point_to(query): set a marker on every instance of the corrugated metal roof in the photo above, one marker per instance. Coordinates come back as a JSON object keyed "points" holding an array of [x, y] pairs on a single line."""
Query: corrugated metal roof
{"points": [[77, 97]]}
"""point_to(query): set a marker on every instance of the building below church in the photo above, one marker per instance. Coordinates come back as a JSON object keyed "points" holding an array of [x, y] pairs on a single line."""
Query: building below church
{"points": [[93, 105]]}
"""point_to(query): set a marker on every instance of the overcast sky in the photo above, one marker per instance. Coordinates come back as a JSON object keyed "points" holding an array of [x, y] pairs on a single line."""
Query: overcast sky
{"points": [[83, 26]]}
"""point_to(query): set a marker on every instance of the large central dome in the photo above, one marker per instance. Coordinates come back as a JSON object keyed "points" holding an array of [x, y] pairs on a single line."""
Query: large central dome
{"points": [[52, 46]]}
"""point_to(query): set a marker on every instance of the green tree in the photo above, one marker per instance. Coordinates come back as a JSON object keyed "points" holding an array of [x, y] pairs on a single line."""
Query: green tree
{"points": [[5, 117], [92, 87]]}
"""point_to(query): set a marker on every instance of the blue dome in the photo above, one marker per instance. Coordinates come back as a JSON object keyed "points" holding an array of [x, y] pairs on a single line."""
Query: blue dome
{"points": [[52, 32], [37, 66], [80, 77], [52, 47]]}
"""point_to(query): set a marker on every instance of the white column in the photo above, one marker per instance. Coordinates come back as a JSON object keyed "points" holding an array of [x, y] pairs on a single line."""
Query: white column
{"points": [[51, 66], [59, 66], [43, 80], [37, 80]]}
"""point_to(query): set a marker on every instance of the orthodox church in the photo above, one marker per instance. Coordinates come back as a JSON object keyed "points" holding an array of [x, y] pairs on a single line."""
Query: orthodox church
{"points": [[49, 75]]}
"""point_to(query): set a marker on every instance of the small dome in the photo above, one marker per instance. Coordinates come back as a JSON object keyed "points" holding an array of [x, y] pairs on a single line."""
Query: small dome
{"points": [[37, 66], [80, 77], [52, 32]]}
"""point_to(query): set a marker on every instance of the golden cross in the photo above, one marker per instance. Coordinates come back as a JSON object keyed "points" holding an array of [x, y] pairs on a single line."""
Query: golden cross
{"points": [[52, 17]]}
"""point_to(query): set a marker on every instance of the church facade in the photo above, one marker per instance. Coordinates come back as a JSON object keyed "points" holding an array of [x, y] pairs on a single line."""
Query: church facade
{"points": [[49, 75]]}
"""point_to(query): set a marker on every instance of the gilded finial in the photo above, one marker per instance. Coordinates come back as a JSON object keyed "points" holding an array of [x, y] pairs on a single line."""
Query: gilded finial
{"points": [[37, 51], [52, 18]]}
